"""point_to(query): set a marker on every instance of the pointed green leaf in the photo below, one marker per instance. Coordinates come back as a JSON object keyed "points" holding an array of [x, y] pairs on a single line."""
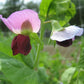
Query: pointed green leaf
{"points": [[42, 75], [16, 72], [30, 58], [44, 8], [56, 26], [67, 75], [81, 59], [5, 46], [35, 37], [61, 10]]}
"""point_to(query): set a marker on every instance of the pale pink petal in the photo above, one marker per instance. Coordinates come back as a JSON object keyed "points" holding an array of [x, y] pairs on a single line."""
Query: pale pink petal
{"points": [[9, 25], [0, 16], [73, 39], [69, 33], [16, 19], [80, 31]]}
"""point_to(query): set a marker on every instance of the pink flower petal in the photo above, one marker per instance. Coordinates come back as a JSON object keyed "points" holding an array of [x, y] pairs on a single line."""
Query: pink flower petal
{"points": [[69, 33], [0, 16], [15, 20], [7, 23], [73, 39], [80, 31]]}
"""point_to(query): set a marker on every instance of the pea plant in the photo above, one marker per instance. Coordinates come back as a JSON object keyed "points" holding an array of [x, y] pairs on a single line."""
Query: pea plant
{"points": [[21, 58]]}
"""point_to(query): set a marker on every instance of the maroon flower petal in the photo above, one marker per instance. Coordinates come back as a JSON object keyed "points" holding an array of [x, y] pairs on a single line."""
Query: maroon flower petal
{"points": [[21, 44], [65, 43], [14, 46]]}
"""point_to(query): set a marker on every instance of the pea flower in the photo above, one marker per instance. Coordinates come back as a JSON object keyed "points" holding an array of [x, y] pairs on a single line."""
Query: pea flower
{"points": [[67, 36], [20, 22]]}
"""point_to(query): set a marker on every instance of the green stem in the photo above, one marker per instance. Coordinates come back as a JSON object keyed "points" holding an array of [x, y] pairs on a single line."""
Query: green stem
{"points": [[38, 49], [47, 22], [37, 57]]}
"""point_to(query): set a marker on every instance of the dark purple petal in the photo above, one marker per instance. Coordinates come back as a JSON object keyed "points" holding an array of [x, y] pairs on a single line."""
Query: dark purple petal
{"points": [[65, 43], [21, 44], [14, 46]]}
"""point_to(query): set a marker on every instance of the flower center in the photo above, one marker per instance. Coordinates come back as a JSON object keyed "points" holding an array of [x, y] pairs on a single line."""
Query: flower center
{"points": [[26, 27]]}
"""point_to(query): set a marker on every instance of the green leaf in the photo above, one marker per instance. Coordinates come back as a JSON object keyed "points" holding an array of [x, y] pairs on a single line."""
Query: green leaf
{"points": [[81, 77], [59, 6], [61, 10], [30, 58], [56, 26], [44, 8], [81, 60], [16, 72], [78, 77], [35, 37], [67, 75], [5, 46], [79, 82], [2, 77], [42, 75]]}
